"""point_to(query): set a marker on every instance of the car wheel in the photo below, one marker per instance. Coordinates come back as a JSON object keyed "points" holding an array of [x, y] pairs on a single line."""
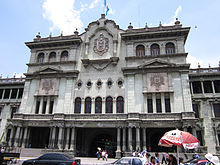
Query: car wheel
{"points": [[29, 164]]}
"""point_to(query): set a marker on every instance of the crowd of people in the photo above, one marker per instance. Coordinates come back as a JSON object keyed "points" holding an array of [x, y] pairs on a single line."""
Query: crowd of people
{"points": [[148, 159], [102, 154], [170, 159]]}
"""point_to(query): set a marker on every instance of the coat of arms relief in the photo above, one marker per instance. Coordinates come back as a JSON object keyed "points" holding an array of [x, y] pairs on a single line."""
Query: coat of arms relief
{"points": [[101, 45], [157, 82]]}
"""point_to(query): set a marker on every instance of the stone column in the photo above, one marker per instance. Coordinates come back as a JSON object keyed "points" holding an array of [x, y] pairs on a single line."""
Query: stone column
{"points": [[41, 105], [124, 140], [213, 87], [154, 103], [144, 139], [48, 105], [17, 136], [24, 142], [50, 137], [202, 88], [67, 138], [10, 93], [11, 137], [72, 141], [3, 93], [83, 106], [118, 152], [17, 93], [52, 145], [194, 131], [162, 102], [114, 106], [103, 106], [137, 138], [130, 139], [191, 88], [93, 106], [171, 102], [60, 138]]}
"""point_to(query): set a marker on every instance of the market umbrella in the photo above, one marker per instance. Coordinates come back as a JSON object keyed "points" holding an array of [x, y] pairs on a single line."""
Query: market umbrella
{"points": [[180, 139]]}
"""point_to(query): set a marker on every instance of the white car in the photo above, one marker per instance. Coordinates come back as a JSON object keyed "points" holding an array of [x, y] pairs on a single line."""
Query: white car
{"points": [[128, 161]]}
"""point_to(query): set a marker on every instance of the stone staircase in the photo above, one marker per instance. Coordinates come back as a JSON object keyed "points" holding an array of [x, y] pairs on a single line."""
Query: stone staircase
{"points": [[30, 152]]}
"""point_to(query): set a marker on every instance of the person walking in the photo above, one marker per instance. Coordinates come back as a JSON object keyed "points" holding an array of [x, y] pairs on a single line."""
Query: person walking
{"points": [[172, 160], [164, 158]]}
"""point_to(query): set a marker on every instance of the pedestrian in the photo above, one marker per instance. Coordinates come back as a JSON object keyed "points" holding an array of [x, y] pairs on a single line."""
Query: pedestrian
{"points": [[153, 161], [106, 155], [98, 154], [133, 154], [172, 160], [157, 158], [103, 155], [164, 158], [146, 159], [167, 158], [181, 161]]}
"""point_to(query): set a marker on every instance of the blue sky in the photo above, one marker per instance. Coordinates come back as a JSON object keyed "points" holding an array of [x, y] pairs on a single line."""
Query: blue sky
{"points": [[21, 20]]}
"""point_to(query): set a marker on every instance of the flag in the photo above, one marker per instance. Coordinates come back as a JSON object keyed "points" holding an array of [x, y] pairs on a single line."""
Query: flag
{"points": [[106, 7]]}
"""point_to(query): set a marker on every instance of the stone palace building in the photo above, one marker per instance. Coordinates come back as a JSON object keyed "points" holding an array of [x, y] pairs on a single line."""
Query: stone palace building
{"points": [[116, 89]]}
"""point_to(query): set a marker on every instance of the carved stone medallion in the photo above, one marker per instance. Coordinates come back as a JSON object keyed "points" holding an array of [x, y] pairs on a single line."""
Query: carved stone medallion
{"points": [[101, 45], [47, 86], [157, 80]]}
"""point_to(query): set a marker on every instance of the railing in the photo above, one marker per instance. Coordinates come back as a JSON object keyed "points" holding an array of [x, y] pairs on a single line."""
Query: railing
{"points": [[136, 116], [204, 70], [12, 80]]}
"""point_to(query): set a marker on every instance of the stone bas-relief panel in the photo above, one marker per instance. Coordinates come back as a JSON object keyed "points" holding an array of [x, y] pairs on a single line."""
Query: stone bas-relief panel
{"points": [[157, 82], [47, 86], [101, 45]]}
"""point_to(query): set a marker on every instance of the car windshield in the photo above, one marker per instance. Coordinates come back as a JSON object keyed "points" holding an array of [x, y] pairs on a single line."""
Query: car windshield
{"points": [[68, 156]]}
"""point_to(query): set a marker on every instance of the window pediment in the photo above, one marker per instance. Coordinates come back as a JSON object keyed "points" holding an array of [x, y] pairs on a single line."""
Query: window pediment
{"points": [[156, 63]]}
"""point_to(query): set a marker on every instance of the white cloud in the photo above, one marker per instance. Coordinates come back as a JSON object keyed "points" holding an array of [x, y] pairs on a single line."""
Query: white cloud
{"points": [[93, 4], [194, 61], [173, 19], [64, 16]]}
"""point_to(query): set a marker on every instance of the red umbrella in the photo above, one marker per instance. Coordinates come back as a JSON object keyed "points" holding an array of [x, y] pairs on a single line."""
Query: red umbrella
{"points": [[179, 138]]}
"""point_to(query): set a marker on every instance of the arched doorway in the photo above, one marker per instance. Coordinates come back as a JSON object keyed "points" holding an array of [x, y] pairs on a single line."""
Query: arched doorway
{"points": [[89, 139], [105, 142]]}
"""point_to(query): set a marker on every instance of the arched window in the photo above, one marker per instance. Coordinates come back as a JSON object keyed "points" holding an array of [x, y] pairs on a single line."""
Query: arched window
{"points": [[88, 102], [140, 50], [120, 104], [170, 48], [52, 57], [40, 58], [77, 105], [109, 105], [64, 56], [98, 105], [155, 49]]}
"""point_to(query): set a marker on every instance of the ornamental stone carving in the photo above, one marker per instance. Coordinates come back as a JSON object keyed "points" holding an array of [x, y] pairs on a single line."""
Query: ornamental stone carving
{"points": [[47, 87], [157, 82], [101, 45]]}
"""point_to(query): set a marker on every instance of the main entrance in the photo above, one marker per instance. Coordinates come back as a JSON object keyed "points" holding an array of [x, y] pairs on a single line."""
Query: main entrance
{"points": [[89, 139], [39, 137]]}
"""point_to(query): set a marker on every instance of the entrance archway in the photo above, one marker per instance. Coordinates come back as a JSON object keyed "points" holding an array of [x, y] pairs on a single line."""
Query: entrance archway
{"points": [[105, 142], [39, 137], [89, 139]]}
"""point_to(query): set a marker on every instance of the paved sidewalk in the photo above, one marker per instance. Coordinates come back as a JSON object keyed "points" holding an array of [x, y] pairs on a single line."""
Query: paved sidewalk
{"points": [[84, 160]]}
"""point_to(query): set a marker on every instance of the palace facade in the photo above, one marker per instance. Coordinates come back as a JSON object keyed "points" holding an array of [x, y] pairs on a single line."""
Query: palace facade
{"points": [[116, 89]]}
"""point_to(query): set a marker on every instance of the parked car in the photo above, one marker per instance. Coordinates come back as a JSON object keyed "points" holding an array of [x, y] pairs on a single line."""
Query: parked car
{"points": [[128, 161], [53, 159]]}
